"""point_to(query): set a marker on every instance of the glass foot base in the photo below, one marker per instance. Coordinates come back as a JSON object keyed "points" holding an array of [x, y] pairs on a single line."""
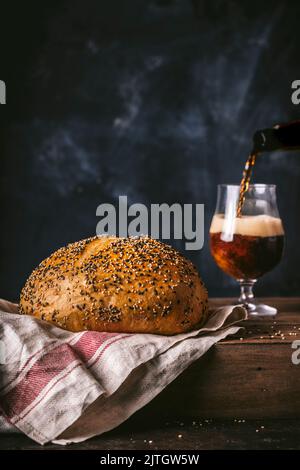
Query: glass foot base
{"points": [[259, 310], [247, 300]]}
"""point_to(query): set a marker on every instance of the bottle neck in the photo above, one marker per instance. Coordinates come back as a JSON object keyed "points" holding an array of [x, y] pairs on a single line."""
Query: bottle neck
{"points": [[280, 137]]}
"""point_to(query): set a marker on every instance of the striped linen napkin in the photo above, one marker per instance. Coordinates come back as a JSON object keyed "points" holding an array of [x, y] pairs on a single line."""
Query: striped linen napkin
{"points": [[63, 387]]}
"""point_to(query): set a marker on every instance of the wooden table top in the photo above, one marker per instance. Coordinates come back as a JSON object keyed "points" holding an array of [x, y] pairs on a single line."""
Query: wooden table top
{"points": [[243, 394], [187, 435], [283, 328]]}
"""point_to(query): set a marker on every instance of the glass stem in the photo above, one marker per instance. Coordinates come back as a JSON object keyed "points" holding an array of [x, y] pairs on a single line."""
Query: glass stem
{"points": [[247, 296]]}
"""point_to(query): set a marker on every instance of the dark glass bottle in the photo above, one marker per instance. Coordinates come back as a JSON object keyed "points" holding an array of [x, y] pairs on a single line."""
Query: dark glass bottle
{"points": [[280, 137]]}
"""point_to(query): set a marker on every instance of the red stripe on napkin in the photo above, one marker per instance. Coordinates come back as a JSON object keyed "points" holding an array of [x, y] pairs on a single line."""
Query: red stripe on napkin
{"points": [[90, 342], [97, 340], [98, 357], [48, 391], [51, 365], [36, 379]]}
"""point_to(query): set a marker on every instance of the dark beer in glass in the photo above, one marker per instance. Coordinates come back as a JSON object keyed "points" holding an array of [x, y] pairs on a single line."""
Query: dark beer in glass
{"points": [[251, 244]]}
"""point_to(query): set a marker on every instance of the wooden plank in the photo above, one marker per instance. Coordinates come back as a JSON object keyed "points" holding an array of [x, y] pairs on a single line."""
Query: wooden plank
{"points": [[233, 381], [250, 378], [288, 307], [192, 435], [284, 327]]}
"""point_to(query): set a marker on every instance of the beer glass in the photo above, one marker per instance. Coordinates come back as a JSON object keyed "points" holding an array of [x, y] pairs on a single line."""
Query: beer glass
{"points": [[248, 246]]}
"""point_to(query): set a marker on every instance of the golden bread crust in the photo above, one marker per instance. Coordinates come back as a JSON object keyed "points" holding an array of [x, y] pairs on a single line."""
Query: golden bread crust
{"points": [[132, 285]]}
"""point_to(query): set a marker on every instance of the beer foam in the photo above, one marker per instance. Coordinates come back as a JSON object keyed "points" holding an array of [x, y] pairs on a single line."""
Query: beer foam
{"points": [[252, 225]]}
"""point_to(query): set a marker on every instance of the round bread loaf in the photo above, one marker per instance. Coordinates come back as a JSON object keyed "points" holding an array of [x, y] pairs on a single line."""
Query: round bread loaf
{"points": [[133, 285]]}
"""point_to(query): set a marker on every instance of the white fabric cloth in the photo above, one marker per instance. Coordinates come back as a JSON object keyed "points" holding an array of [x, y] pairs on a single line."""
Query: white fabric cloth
{"points": [[63, 387]]}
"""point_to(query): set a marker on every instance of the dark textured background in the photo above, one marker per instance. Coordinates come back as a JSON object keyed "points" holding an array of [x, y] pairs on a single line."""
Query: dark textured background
{"points": [[157, 100]]}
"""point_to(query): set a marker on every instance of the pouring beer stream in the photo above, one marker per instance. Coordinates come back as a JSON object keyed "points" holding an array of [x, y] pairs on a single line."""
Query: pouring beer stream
{"points": [[246, 233], [280, 137]]}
